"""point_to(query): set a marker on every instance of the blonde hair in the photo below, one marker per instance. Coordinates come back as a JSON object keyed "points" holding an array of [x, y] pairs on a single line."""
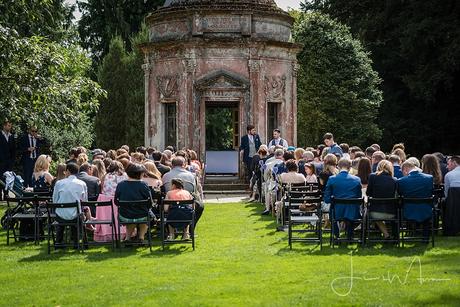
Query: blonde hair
{"points": [[152, 170], [101, 170], [385, 166], [82, 158], [298, 153], [60, 171], [400, 153], [42, 164]]}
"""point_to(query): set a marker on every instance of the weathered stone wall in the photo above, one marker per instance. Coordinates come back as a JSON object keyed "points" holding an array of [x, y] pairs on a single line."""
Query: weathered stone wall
{"points": [[199, 56]]}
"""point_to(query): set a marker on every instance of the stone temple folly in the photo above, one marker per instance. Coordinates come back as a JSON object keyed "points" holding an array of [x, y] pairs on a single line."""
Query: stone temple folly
{"points": [[209, 55]]}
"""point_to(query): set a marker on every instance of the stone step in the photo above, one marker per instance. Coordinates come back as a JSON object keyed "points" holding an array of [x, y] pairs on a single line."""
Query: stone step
{"points": [[226, 192], [224, 186]]}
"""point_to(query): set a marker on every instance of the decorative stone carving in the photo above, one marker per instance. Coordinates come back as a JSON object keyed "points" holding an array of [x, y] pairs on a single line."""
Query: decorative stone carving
{"points": [[254, 65], [295, 69], [275, 88], [218, 23], [168, 87]]}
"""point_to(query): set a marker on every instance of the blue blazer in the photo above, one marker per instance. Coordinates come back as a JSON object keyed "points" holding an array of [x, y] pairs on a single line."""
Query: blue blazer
{"points": [[245, 146], [398, 171], [344, 185], [416, 185]]}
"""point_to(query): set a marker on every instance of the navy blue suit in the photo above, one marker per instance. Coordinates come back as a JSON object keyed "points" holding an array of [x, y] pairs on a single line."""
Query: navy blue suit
{"points": [[245, 146], [382, 186], [416, 185], [28, 163], [398, 172], [344, 185]]}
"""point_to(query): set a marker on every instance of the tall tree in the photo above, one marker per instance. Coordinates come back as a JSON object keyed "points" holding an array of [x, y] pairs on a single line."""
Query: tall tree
{"points": [[120, 119], [414, 47], [103, 19], [48, 18], [337, 87]]}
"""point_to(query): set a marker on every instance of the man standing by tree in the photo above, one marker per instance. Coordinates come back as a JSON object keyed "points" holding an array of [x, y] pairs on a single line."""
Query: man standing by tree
{"points": [[7, 150], [249, 146]]}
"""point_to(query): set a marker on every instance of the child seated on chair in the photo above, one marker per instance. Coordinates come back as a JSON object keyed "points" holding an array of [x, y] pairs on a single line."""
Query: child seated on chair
{"points": [[177, 192]]}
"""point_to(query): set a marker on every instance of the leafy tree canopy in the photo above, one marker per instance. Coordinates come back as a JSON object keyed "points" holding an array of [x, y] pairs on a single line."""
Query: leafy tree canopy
{"points": [[414, 46], [337, 87]]}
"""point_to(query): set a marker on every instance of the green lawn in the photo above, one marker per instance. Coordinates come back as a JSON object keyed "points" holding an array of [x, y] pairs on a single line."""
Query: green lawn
{"points": [[239, 260]]}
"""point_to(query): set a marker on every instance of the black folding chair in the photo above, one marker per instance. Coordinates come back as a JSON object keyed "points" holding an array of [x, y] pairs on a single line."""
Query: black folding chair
{"points": [[145, 206], [334, 219], [55, 221], [439, 200], [296, 192], [409, 229], [179, 204], [25, 210], [110, 222], [375, 205], [310, 218]]}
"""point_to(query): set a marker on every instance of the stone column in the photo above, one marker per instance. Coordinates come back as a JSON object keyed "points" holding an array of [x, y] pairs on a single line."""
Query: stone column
{"points": [[192, 116], [255, 112], [295, 68], [148, 124]]}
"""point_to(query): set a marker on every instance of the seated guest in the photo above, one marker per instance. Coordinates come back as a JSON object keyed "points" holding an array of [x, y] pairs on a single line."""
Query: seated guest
{"points": [[115, 175], [396, 160], [68, 190], [310, 173], [452, 179], [376, 158], [177, 192], [178, 171], [430, 166], [345, 149], [152, 176], [41, 177], [330, 169], [416, 184], [133, 189], [344, 185], [369, 152], [382, 184], [400, 153], [73, 154], [364, 170], [101, 169], [60, 174], [156, 157], [92, 183], [292, 176], [415, 161]]}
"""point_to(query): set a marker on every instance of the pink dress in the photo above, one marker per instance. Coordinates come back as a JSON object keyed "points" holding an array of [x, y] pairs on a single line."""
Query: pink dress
{"points": [[103, 233]]}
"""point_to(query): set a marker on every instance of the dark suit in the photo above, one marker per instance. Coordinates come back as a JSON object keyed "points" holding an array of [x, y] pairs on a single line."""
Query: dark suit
{"points": [[398, 171], [245, 148], [7, 153], [28, 163], [93, 184], [163, 169], [344, 185], [381, 186], [416, 185]]}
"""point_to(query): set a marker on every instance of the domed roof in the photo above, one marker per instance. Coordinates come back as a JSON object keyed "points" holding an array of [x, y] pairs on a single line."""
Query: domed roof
{"points": [[211, 3]]}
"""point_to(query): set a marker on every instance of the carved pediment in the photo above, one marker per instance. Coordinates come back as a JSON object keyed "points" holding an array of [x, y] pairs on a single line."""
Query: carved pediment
{"points": [[222, 80]]}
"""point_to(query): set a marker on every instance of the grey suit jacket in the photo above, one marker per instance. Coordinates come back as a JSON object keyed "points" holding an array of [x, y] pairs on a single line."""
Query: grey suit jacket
{"points": [[92, 183]]}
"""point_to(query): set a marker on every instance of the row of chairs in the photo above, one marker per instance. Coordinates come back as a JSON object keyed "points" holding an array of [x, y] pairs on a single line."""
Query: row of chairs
{"points": [[39, 209], [303, 212]]}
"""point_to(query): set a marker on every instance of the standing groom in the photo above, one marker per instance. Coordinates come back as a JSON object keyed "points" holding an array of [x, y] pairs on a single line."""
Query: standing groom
{"points": [[250, 144]]}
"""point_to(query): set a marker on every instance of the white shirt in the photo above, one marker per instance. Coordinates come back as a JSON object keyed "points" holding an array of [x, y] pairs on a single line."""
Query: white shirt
{"points": [[33, 143], [277, 141], [6, 135], [452, 180], [69, 190]]}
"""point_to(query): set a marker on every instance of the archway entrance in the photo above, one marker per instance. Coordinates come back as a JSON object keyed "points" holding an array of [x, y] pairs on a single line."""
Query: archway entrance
{"points": [[222, 137]]}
